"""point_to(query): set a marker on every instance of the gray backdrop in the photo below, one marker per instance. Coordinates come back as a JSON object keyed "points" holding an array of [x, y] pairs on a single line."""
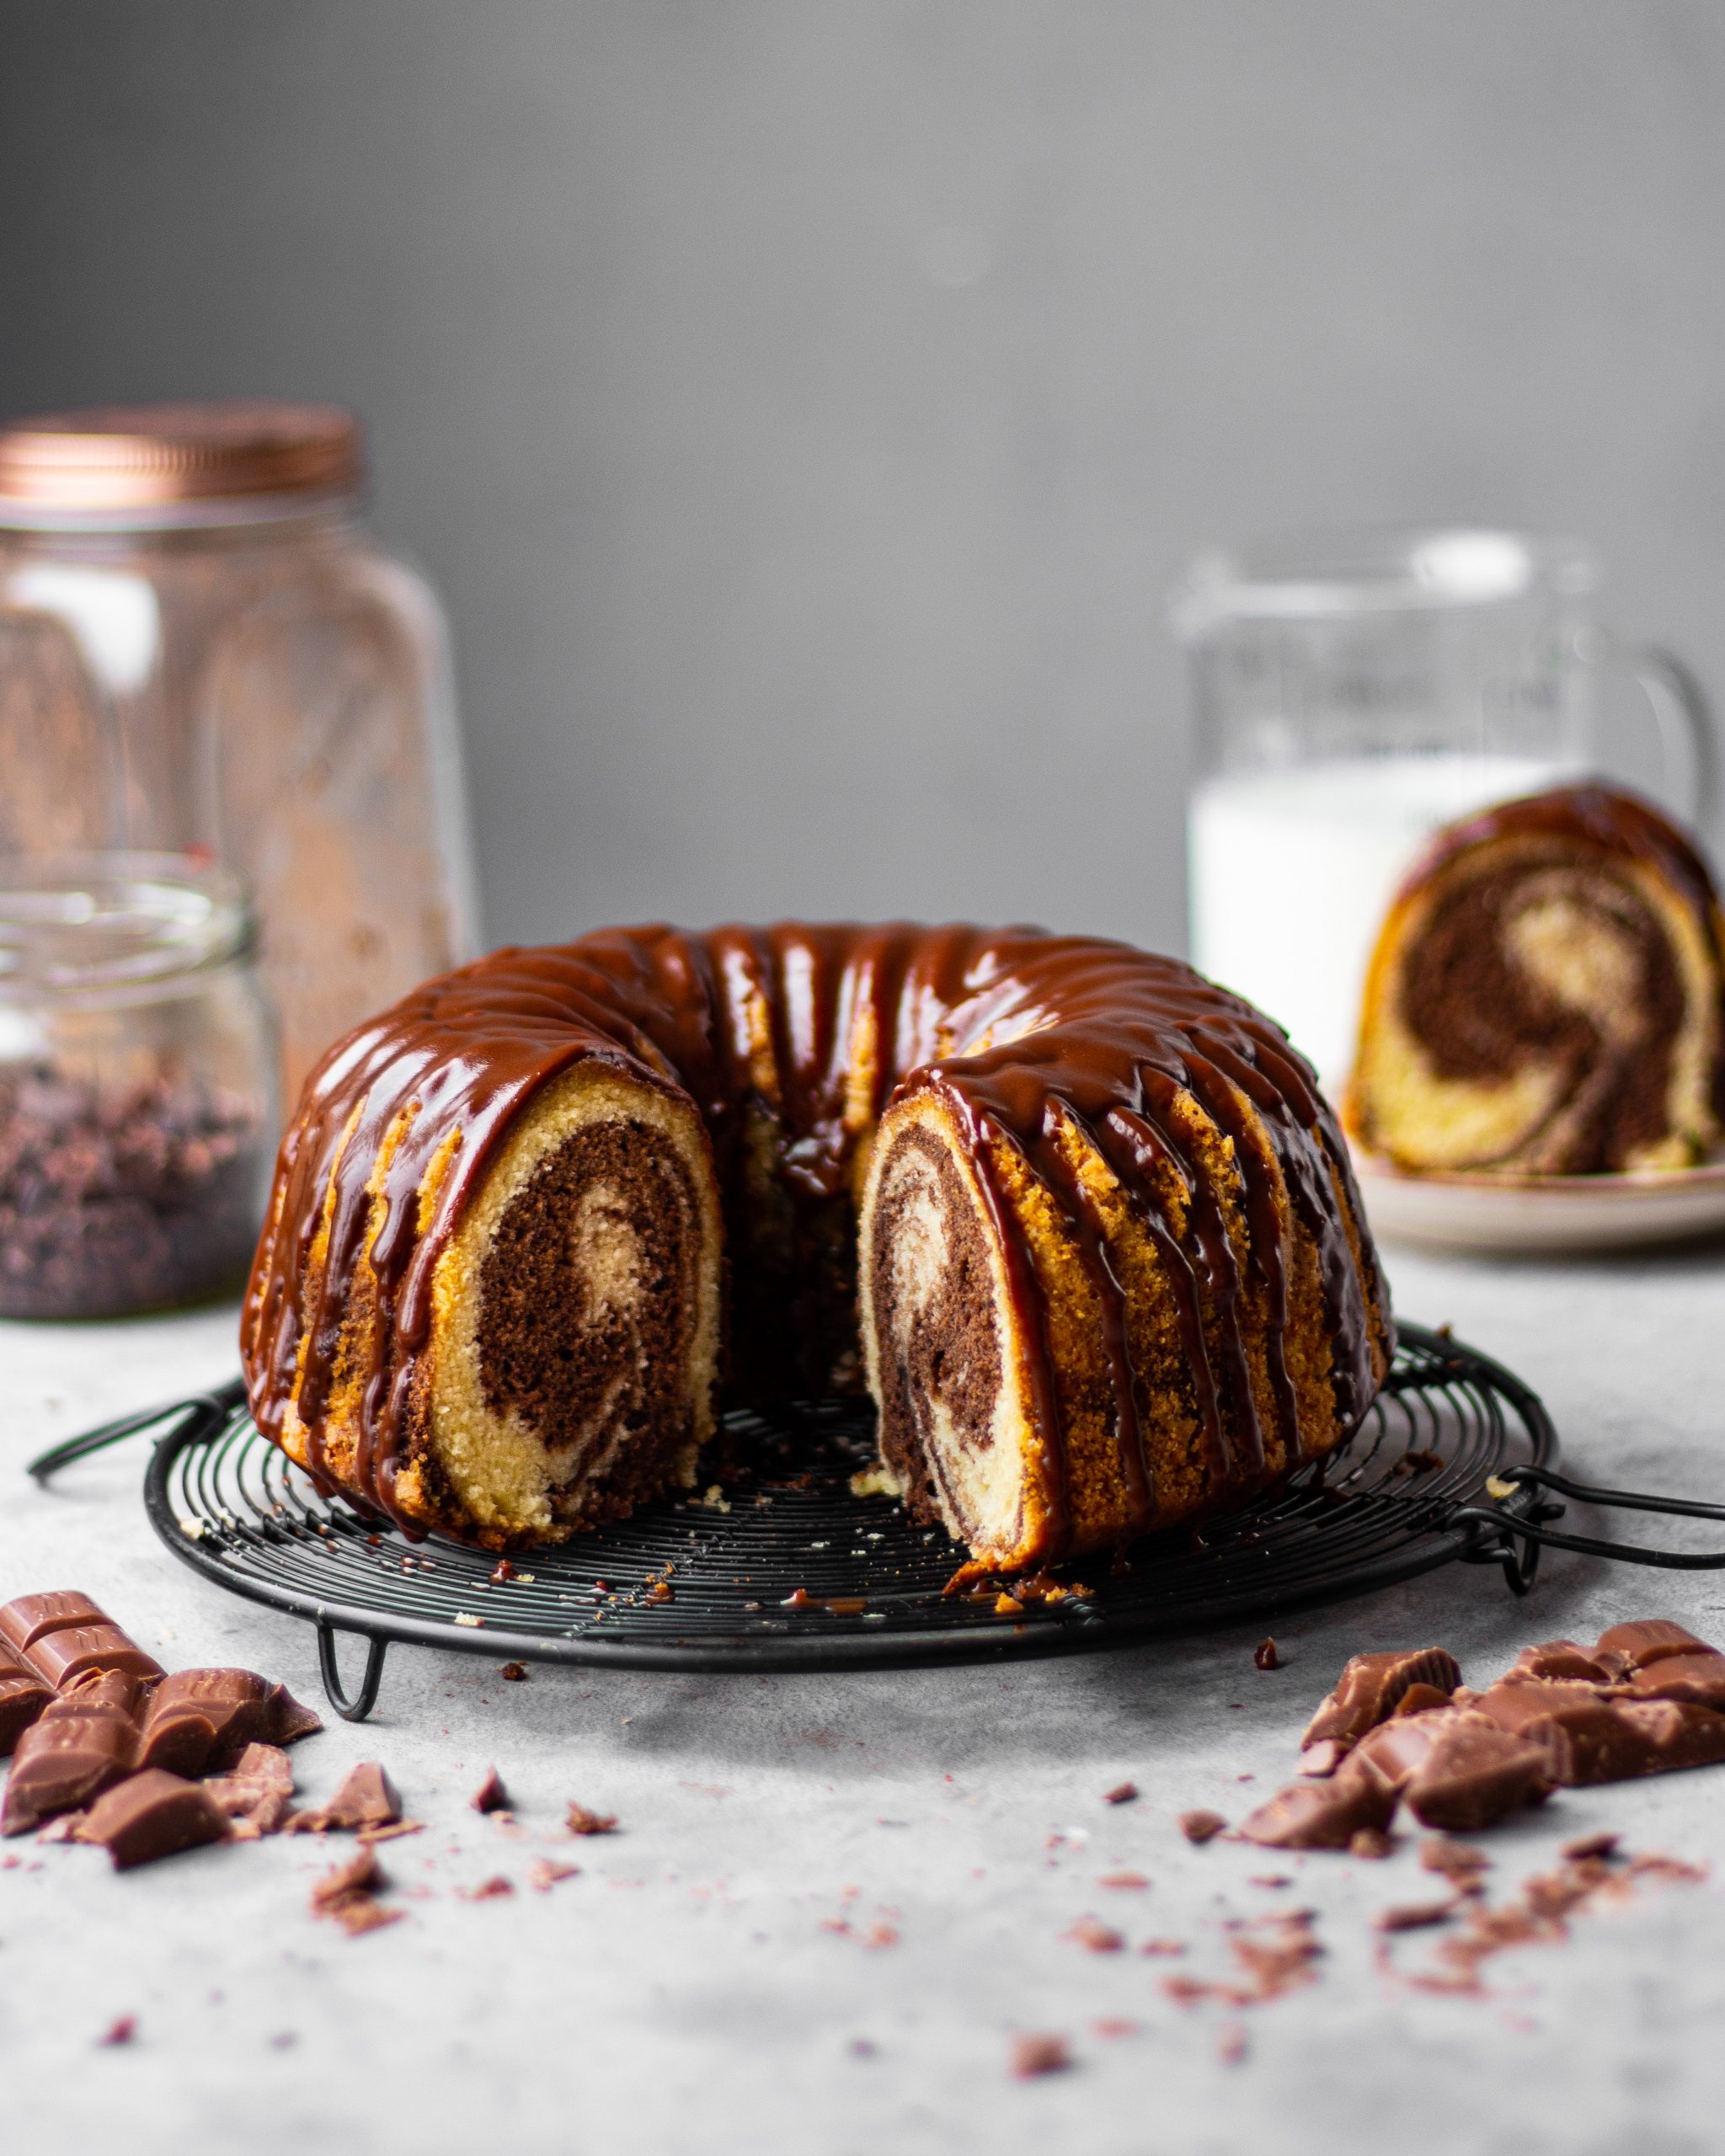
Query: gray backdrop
{"points": [[803, 407]]}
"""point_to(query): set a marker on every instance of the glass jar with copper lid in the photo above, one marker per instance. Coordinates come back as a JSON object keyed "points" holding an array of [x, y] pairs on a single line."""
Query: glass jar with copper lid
{"points": [[203, 650]]}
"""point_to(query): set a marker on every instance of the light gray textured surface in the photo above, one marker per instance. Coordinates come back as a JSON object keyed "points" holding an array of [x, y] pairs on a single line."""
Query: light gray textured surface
{"points": [[805, 406], [684, 1992]]}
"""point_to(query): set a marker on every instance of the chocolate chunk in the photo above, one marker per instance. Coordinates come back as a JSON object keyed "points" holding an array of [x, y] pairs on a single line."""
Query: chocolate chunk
{"points": [[1398, 1748], [65, 1655], [581, 1821], [32, 1617], [258, 1791], [22, 1698], [356, 1875], [1420, 1700], [60, 1766], [1325, 1815], [1674, 1733], [1201, 1825], [491, 1796], [1266, 1656], [290, 1718], [1699, 1679], [366, 1798], [151, 1815], [1121, 1793], [201, 1720], [98, 1692], [1560, 1658], [1585, 1736], [1646, 1639], [1474, 1774], [1372, 1686], [1602, 1845]]}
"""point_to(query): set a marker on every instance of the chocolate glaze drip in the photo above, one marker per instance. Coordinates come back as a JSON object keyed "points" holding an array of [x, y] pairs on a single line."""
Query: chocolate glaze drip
{"points": [[1027, 1036]]}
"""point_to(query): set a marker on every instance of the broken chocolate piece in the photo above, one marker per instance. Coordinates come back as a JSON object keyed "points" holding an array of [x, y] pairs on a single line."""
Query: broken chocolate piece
{"points": [[1420, 1700], [98, 1692], [1121, 1793], [63, 1656], [1645, 1639], [1371, 1687], [1266, 1656], [1674, 1734], [1560, 1659], [366, 1798], [1201, 1827], [32, 1617], [60, 1766], [153, 1814], [1323, 1815], [1412, 1916], [201, 1720], [290, 1719], [24, 1696], [1585, 1736], [1474, 1774], [1697, 1680], [581, 1821], [491, 1796], [259, 1790]]}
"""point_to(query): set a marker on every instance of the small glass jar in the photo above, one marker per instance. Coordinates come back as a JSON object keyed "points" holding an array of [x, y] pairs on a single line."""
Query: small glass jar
{"points": [[138, 1101], [203, 647]]}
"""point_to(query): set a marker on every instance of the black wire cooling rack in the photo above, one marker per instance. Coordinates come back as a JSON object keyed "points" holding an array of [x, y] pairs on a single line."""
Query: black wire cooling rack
{"points": [[781, 1567]]}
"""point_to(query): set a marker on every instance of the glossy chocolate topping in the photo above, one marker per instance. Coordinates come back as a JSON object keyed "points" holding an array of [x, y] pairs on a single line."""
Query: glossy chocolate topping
{"points": [[1021, 1033]]}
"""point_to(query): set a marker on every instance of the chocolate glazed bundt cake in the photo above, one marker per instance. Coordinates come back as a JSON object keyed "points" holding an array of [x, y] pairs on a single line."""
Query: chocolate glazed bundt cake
{"points": [[1080, 1220], [1548, 995]]}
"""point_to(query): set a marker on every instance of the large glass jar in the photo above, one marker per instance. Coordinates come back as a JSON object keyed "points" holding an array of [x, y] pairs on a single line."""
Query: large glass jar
{"points": [[138, 1104], [202, 648]]}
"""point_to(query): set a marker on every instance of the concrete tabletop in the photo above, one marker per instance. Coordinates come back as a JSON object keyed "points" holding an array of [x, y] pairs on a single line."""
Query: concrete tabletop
{"points": [[835, 1899]]}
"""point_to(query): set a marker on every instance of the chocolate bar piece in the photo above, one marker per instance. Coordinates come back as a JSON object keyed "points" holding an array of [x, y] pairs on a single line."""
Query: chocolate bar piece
{"points": [[32, 1617], [61, 1765], [1474, 1773], [153, 1814], [23, 1696], [258, 1794], [64, 1655], [98, 1692], [1698, 1679], [1369, 1691], [203, 1719], [366, 1798], [1323, 1815], [1634, 1646], [1560, 1658]]}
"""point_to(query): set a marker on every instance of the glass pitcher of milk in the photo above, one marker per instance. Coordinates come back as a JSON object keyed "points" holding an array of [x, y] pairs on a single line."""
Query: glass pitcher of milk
{"points": [[1349, 697]]}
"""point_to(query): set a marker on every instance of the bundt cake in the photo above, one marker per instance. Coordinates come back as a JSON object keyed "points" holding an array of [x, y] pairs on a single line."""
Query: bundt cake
{"points": [[1547, 996], [1080, 1220]]}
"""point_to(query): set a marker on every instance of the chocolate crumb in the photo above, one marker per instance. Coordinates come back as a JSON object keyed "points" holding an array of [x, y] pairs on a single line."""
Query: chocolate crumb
{"points": [[1264, 1654], [490, 1890], [121, 2030], [1201, 1827], [491, 1796], [1459, 1861], [1123, 1879], [1121, 1793], [581, 1821], [1100, 1938], [1163, 1947], [502, 1572], [1233, 2044], [542, 1874], [514, 1671], [1586, 1846], [1033, 2055], [1412, 1916]]}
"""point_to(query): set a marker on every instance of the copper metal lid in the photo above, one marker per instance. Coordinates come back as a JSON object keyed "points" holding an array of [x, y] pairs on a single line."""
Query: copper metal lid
{"points": [[111, 458]]}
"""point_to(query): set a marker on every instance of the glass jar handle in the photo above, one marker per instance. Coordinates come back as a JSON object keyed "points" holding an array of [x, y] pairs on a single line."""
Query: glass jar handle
{"points": [[1685, 724]]}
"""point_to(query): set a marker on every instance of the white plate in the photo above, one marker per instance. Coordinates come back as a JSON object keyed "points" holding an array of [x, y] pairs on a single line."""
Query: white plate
{"points": [[1541, 1213]]}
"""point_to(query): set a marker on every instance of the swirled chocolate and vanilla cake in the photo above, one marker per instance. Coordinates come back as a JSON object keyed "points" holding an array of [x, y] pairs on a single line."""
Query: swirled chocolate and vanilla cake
{"points": [[1080, 1220], [1548, 995]]}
